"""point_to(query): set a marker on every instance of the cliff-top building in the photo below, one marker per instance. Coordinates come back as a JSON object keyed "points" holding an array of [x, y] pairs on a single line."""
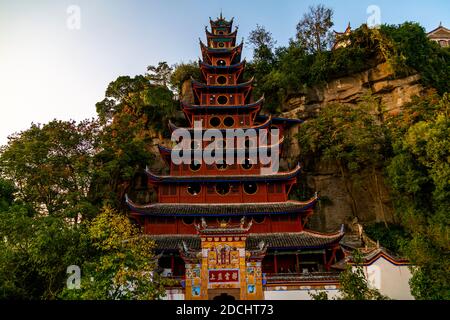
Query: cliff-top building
{"points": [[229, 229]]}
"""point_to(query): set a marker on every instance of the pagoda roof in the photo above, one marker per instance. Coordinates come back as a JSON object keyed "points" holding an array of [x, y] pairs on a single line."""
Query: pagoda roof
{"points": [[221, 209], [251, 106], [224, 68], [236, 49], [221, 22], [201, 85], [274, 241], [225, 178]]}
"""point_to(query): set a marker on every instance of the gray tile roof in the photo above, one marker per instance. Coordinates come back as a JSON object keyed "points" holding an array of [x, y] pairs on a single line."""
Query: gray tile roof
{"points": [[221, 209], [298, 240]]}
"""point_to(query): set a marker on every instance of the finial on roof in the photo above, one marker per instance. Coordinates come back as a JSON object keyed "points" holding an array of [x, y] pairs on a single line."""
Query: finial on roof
{"points": [[440, 24], [221, 17]]}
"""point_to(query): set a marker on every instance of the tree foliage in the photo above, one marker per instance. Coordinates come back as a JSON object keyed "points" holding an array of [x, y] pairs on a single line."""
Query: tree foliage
{"points": [[122, 266], [419, 174], [52, 166], [313, 30]]}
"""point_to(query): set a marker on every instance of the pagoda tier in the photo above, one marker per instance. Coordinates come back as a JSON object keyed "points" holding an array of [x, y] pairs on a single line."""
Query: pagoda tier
{"points": [[280, 176], [221, 95], [225, 121], [221, 56], [222, 75], [221, 40], [254, 107], [221, 26]]}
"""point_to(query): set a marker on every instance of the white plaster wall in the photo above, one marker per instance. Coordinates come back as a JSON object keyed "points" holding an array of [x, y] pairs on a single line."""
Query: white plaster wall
{"points": [[296, 294], [173, 295], [391, 280]]}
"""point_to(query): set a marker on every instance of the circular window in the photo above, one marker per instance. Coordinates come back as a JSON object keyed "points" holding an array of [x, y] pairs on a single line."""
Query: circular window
{"points": [[214, 121], [250, 187], [188, 220], [222, 188], [195, 166], [221, 80], [259, 219], [221, 44], [194, 189], [220, 32], [222, 100], [247, 165], [221, 63], [221, 165], [228, 121]]}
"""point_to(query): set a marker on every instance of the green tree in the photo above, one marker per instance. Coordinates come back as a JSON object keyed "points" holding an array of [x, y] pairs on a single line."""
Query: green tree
{"points": [[313, 30], [133, 113], [419, 175], [183, 72], [160, 74], [52, 166], [123, 266], [35, 253]]}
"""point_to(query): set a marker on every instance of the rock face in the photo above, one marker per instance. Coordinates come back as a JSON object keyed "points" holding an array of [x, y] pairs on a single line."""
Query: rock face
{"points": [[344, 201], [393, 94]]}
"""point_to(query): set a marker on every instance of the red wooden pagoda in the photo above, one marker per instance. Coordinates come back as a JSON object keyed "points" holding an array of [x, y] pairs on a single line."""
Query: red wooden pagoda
{"points": [[227, 228]]}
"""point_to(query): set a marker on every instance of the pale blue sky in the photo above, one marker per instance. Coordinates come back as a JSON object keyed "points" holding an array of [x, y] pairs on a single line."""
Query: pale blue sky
{"points": [[49, 71]]}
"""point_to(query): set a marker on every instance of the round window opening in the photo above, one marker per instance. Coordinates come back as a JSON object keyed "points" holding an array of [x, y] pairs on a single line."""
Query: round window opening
{"points": [[221, 44], [194, 189], [214, 121], [222, 100], [221, 63], [247, 165], [220, 32], [223, 188], [221, 80], [259, 219], [188, 220], [250, 187], [228, 121], [195, 166]]}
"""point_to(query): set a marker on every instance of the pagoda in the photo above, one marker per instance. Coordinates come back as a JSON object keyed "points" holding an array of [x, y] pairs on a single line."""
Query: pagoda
{"points": [[228, 229]]}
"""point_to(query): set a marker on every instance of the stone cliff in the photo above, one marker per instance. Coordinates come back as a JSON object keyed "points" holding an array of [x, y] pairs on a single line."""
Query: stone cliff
{"points": [[366, 200]]}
